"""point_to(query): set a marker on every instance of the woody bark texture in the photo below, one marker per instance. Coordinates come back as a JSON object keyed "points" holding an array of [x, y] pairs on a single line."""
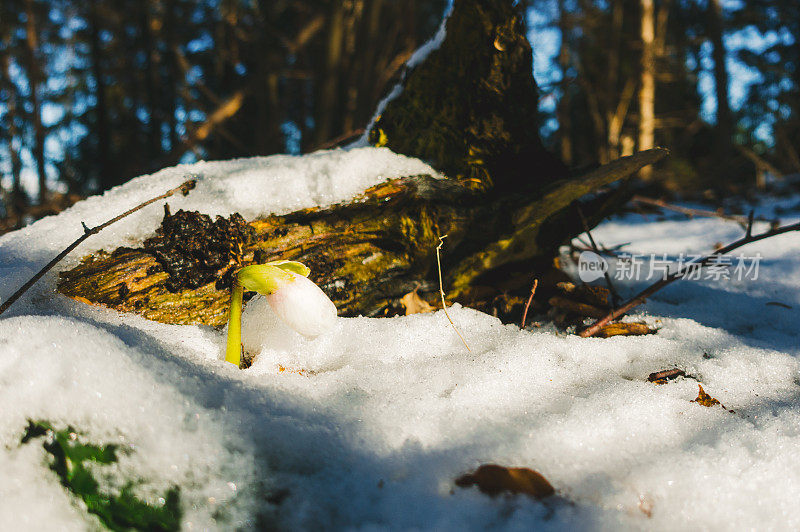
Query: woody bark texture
{"points": [[470, 110]]}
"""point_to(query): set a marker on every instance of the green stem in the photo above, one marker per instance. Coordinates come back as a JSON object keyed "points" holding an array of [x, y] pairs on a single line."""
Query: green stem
{"points": [[233, 352]]}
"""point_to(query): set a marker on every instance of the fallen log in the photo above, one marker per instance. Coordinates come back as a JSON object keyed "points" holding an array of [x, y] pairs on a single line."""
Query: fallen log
{"points": [[469, 109]]}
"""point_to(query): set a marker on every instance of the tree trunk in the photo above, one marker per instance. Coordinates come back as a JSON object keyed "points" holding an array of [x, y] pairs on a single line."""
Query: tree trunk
{"points": [[563, 111], [34, 78], [14, 140], [151, 85], [613, 118], [724, 120], [103, 131], [647, 89], [172, 78], [506, 205], [327, 97]]}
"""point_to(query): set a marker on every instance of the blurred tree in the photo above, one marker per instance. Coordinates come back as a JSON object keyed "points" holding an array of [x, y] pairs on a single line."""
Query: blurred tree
{"points": [[35, 75], [724, 119], [776, 96], [10, 125], [647, 88]]}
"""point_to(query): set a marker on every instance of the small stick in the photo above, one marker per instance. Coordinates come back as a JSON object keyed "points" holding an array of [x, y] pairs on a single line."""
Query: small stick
{"points": [[604, 250], [667, 374], [87, 232], [694, 212], [528, 304], [441, 292], [614, 295], [640, 298]]}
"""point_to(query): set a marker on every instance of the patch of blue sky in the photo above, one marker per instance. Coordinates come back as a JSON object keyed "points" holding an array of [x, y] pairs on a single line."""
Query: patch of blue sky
{"points": [[52, 114], [194, 74], [203, 42], [546, 41], [293, 137], [196, 115]]}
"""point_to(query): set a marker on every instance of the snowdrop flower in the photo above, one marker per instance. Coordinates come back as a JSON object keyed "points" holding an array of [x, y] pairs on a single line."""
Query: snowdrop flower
{"points": [[296, 300]]}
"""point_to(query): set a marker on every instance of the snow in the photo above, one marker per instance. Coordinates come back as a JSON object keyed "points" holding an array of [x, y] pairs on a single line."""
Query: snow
{"points": [[386, 413]]}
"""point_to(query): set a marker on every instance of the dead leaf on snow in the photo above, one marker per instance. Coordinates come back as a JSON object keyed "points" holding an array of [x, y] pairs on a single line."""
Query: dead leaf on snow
{"points": [[494, 479], [704, 399]]}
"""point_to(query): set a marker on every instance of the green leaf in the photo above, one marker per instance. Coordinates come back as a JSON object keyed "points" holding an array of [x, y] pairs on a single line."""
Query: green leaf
{"points": [[124, 511], [264, 278], [291, 266]]}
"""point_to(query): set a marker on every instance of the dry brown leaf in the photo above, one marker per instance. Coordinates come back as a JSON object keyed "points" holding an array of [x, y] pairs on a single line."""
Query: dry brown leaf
{"points": [[414, 304], [494, 479], [634, 328], [704, 399]]}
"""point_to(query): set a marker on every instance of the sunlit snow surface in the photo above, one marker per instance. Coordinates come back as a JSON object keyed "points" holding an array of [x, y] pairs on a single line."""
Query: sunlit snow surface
{"points": [[395, 409]]}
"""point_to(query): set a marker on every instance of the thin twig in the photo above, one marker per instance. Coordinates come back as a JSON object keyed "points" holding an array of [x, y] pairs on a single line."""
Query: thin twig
{"points": [[741, 220], [614, 295], [87, 232], [441, 292], [640, 298], [528, 304], [612, 251]]}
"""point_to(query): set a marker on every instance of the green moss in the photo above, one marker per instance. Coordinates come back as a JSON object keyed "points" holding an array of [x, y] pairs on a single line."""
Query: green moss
{"points": [[72, 461]]}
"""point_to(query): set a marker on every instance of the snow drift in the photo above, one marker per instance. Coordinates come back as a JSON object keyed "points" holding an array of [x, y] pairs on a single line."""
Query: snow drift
{"points": [[367, 426]]}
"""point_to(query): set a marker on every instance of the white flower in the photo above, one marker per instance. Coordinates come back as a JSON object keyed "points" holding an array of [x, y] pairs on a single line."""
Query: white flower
{"points": [[303, 306]]}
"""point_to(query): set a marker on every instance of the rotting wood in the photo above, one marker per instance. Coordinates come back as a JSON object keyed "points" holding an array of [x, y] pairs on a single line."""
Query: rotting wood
{"points": [[184, 189]]}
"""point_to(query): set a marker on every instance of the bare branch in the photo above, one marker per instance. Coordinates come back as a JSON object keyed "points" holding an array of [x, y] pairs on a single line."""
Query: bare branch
{"points": [[87, 232], [741, 220], [640, 298], [528, 304]]}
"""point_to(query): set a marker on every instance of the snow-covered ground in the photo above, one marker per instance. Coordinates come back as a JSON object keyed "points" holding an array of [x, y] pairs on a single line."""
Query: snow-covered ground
{"points": [[391, 411]]}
